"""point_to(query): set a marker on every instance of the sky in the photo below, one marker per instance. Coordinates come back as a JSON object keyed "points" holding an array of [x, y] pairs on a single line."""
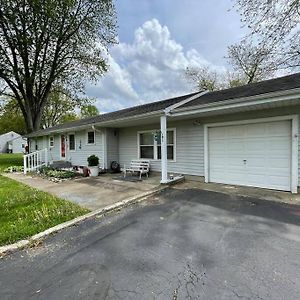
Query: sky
{"points": [[158, 40]]}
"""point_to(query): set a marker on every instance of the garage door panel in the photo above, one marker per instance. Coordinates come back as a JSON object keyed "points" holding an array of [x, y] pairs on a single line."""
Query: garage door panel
{"points": [[236, 145], [235, 132], [252, 154], [282, 128], [279, 162], [256, 130], [217, 133]]}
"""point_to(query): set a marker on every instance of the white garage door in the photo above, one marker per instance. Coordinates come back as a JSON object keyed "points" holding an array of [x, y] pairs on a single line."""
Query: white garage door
{"points": [[253, 154]]}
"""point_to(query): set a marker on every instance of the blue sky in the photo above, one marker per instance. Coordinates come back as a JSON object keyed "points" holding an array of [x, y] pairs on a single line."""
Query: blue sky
{"points": [[158, 39]]}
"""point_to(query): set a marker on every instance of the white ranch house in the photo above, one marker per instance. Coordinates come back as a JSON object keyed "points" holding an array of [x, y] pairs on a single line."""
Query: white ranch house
{"points": [[243, 136]]}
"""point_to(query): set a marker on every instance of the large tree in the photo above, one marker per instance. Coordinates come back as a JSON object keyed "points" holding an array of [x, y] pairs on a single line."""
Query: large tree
{"points": [[88, 110], [204, 78], [252, 62], [208, 79], [276, 22], [47, 42], [60, 108]]}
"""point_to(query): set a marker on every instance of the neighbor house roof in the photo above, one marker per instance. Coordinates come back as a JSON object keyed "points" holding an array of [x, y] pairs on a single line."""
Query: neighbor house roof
{"points": [[254, 89]]}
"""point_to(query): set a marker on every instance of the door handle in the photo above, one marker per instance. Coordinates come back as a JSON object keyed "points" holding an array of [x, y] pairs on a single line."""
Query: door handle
{"points": [[245, 161]]}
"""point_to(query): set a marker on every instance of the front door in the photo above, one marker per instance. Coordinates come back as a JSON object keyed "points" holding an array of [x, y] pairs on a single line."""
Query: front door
{"points": [[62, 146]]}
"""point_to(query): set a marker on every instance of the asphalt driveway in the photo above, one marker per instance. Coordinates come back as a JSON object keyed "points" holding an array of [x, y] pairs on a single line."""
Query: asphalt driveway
{"points": [[184, 244]]}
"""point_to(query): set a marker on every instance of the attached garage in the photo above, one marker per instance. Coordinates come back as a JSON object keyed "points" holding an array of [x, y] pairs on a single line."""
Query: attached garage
{"points": [[259, 153]]}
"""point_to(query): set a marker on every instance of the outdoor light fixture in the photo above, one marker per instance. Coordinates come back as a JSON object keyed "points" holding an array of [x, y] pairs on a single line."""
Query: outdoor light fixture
{"points": [[197, 123]]}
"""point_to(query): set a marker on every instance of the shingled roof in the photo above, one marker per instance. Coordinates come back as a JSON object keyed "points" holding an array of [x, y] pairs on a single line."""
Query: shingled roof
{"points": [[253, 89], [258, 88], [115, 115]]}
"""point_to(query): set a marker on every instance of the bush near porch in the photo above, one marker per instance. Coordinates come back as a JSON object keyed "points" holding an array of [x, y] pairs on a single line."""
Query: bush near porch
{"points": [[25, 211]]}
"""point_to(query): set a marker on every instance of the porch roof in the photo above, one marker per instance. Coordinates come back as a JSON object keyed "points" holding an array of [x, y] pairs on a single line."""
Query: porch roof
{"points": [[267, 89]]}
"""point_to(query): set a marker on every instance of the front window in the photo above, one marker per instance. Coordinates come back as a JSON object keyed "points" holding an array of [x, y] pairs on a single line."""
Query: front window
{"points": [[71, 142], [150, 145], [51, 141], [146, 145], [91, 137], [170, 146]]}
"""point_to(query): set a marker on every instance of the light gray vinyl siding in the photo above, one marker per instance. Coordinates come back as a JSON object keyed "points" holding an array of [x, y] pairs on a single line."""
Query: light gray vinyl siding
{"points": [[123, 146], [112, 140], [190, 140], [82, 149], [17, 145], [54, 152], [189, 147]]}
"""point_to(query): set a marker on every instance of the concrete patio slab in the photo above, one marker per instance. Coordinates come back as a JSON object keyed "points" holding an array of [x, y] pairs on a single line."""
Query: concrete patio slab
{"points": [[90, 192]]}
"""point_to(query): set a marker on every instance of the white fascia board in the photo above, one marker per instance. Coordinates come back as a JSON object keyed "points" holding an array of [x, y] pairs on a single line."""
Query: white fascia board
{"points": [[241, 102], [176, 105]]}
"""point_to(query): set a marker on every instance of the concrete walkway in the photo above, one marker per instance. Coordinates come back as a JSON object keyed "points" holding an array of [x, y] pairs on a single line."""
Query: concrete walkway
{"points": [[91, 192]]}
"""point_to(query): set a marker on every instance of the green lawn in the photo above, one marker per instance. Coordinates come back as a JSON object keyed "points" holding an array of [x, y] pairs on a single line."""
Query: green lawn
{"points": [[25, 211], [8, 160]]}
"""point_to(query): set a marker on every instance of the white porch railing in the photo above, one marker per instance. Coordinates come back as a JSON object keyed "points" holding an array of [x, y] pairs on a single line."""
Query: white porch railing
{"points": [[35, 160]]}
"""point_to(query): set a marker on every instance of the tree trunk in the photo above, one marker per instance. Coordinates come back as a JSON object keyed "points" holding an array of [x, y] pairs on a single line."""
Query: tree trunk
{"points": [[33, 118]]}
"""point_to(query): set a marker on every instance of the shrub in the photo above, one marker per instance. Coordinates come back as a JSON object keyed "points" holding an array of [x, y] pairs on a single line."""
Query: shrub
{"points": [[93, 161], [61, 174], [14, 169]]}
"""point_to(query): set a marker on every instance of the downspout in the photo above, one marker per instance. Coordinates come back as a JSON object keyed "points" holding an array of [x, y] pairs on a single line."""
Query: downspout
{"points": [[103, 132], [163, 131]]}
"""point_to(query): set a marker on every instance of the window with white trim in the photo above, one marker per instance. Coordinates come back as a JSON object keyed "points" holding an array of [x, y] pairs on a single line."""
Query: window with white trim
{"points": [[150, 147], [146, 145], [51, 141], [170, 145], [91, 137], [72, 145]]}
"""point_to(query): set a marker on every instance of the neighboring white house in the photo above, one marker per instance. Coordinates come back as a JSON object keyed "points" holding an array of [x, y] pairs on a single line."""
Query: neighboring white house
{"points": [[246, 135], [12, 142]]}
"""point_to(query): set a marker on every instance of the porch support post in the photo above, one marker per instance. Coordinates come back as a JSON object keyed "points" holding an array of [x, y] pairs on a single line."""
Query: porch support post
{"points": [[164, 158]]}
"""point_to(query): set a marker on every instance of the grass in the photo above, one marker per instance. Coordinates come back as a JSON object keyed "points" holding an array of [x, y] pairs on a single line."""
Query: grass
{"points": [[25, 211], [8, 160]]}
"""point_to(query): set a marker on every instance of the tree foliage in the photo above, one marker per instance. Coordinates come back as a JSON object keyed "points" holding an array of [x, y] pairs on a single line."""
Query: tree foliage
{"points": [[252, 62], [62, 107], [11, 118], [52, 42], [204, 78], [89, 110], [207, 79], [275, 22]]}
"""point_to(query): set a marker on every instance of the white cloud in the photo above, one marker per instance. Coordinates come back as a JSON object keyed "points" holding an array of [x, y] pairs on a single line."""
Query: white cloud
{"points": [[151, 68]]}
